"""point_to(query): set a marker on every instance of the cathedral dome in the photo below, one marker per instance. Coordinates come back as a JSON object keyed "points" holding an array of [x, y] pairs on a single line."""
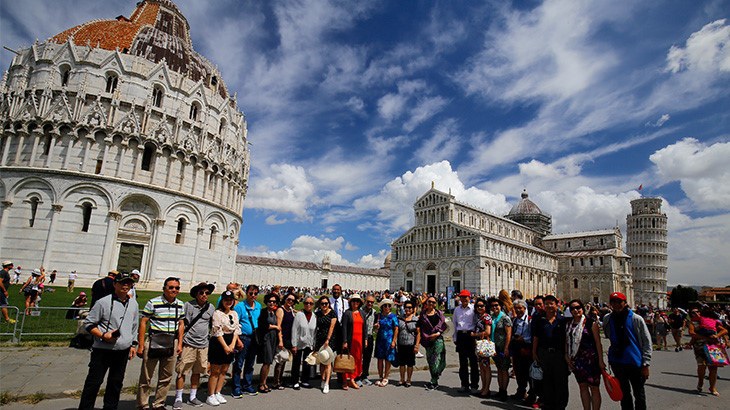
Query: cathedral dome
{"points": [[156, 31], [525, 206]]}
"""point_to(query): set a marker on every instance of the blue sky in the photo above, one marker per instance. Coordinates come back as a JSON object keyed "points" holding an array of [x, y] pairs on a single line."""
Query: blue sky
{"points": [[354, 107]]}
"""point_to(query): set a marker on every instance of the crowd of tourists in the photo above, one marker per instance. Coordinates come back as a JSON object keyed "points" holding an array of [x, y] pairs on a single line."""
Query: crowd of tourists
{"points": [[332, 340]]}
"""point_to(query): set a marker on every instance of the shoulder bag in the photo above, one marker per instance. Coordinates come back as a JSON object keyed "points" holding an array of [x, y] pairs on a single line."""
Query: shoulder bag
{"points": [[344, 363]]}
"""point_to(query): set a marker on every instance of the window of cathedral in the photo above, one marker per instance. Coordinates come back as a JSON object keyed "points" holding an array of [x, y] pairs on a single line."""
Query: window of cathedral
{"points": [[568, 244], [582, 262], [111, 82], [194, 108], [33, 210], [213, 232], [65, 75], [572, 262], [180, 230], [222, 126], [575, 283], [148, 157], [600, 260], [157, 94], [591, 261], [584, 242], [86, 214]]}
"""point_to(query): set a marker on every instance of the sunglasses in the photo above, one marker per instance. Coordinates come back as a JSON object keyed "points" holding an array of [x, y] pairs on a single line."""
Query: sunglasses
{"points": [[324, 304], [290, 300], [493, 306], [430, 302], [203, 292], [308, 303], [173, 287], [408, 307], [230, 317], [253, 293], [480, 306], [575, 308]]}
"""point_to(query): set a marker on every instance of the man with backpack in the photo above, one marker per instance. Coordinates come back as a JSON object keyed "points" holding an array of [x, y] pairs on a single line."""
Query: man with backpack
{"points": [[197, 314]]}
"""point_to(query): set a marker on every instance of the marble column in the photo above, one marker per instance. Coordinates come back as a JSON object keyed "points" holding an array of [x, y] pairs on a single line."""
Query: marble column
{"points": [[51, 234], [20, 149], [34, 152], [151, 269], [4, 221], [49, 158], [112, 227], [198, 240], [6, 148]]}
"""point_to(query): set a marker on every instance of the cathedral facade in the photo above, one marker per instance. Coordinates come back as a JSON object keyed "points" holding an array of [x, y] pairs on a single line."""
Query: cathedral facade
{"points": [[459, 245], [121, 148]]}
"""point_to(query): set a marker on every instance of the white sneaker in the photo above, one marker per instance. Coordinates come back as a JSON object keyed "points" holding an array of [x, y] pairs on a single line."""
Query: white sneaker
{"points": [[220, 398], [212, 401], [420, 355], [326, 389]]}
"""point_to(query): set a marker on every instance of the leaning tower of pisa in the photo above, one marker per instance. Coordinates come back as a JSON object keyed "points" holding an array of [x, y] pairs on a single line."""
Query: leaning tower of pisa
{"points": [[646, 242]]}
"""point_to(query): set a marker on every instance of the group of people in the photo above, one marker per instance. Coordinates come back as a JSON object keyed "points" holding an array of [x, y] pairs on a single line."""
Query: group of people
{"points": [[177, 340]]}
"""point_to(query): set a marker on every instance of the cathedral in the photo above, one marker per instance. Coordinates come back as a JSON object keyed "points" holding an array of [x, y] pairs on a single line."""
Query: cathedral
{"points": [[458, 245], [122, 148]]}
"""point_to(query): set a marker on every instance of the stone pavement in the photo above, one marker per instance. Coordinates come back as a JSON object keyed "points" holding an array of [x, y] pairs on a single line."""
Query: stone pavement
{"points": [[57, 372]]}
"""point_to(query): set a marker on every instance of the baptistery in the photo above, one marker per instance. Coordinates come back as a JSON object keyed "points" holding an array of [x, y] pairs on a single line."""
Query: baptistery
{"points": [[122, 148]]}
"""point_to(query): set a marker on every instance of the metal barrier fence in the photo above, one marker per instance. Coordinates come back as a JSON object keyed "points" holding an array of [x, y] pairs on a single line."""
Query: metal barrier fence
{"points": [[8, 328], [49, 321]]}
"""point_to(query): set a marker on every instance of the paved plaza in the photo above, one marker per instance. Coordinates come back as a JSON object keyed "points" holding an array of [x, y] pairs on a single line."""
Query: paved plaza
{"points": [[57, 372]]}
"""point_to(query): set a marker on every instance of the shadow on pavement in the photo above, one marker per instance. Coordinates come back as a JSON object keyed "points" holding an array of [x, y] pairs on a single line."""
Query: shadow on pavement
{"points": [[675, 389]]}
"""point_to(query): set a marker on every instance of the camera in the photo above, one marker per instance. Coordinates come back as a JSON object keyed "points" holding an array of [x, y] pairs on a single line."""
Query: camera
{"points": [[116, 333]]}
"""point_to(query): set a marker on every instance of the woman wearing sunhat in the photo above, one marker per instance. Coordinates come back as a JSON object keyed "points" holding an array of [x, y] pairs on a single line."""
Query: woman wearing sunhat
{"points": [[224, 332], [353, 339], [386, 340], [326, 321]]}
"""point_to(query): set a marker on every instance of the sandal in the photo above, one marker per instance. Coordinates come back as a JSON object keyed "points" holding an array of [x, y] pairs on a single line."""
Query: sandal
{"points": [[384, 382], [407, 384], [379, 383], [715, 393], [262, 390], [400, 383]]}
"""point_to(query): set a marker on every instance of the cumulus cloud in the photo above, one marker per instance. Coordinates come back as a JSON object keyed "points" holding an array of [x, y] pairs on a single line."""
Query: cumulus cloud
{"points": [[702, 171], [702, 239], [306, 248], [272, 220], [287, 189], [373, 261], [705, 50], [356, 104], [393, 205]]}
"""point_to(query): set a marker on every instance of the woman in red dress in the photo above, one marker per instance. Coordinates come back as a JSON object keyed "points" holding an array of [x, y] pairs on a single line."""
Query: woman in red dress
{"points": [[353, 337]]}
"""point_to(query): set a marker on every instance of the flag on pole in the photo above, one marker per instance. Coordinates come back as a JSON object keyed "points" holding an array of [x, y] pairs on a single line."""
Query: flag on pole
{"points": [[641, 186]]}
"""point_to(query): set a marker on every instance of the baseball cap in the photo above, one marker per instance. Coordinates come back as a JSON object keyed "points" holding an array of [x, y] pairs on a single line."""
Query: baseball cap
{"points": [[617, 295], [123, 277], [7, 263], [465, 293]]}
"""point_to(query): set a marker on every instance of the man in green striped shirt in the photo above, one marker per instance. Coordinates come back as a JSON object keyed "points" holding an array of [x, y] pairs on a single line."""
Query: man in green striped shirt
{"points": [[163, 314]]}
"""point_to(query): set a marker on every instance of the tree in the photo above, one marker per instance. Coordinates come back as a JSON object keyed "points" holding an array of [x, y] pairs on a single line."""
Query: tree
{"points": [[681, 296]]}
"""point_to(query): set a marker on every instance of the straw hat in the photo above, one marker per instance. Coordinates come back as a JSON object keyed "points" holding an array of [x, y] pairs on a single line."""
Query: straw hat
{"points": [[311, 359], [385, 302], [355, 296], [282, 356], [325, 355]]}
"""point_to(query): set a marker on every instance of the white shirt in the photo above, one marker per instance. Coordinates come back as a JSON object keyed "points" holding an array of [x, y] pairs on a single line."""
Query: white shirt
{"points": [[340, 308], [463, 319], [72, 276]]}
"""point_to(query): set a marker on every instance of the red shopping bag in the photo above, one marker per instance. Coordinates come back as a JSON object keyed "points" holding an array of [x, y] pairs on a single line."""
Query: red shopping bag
{"points": [[613, 387]]}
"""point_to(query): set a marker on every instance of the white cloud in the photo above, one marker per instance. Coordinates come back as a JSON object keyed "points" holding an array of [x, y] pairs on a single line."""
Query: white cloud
{"points": [[306, 248], [443, 144], [356, 104], [391, 106], [663, 119], [424, 109], [698, 251], [394, 203], [705, 50], [702, 170], [350, 247], [373, 261], [287, 189], [272, 220]]}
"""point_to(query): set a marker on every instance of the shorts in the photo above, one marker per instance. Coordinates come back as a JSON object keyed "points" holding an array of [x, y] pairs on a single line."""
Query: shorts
{"points": [[192, 358], [3, 300], [405, 356], [502, 362]]}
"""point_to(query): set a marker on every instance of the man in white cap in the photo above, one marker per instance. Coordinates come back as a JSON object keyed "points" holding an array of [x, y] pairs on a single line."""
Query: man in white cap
{"points": [[4, 285], [133, 292]]}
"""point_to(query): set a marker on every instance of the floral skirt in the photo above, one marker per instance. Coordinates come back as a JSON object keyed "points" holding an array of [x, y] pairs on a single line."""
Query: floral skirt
{"points": [[585, 367]]}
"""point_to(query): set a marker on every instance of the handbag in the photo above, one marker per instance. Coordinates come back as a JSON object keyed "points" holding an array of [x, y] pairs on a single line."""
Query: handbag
{"points": [[613, 387], [485, 349], [535, 371], [716, 355], [344, 363], [162, 345]]}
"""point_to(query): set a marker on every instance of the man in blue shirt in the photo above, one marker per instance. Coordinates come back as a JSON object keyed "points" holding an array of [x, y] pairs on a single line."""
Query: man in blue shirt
{"points": [[630, 351], [248, 315]]}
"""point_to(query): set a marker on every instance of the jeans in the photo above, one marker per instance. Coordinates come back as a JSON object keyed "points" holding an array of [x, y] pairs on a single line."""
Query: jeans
{"points": [[103, 360], [300, 367], [245, 359], [630, 378], [468, 365], [367, 355]]}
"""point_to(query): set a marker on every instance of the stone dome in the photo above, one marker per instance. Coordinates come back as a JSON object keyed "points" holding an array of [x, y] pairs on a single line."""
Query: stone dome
{"points": [[156, 31], [525, 206]]}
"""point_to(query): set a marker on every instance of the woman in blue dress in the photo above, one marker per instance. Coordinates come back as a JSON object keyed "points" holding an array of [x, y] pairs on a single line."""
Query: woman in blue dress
{"points": [[385, 351]]}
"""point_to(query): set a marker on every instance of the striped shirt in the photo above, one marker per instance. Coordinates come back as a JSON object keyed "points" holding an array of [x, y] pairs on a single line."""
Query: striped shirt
{"points": [[163, 315]]}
